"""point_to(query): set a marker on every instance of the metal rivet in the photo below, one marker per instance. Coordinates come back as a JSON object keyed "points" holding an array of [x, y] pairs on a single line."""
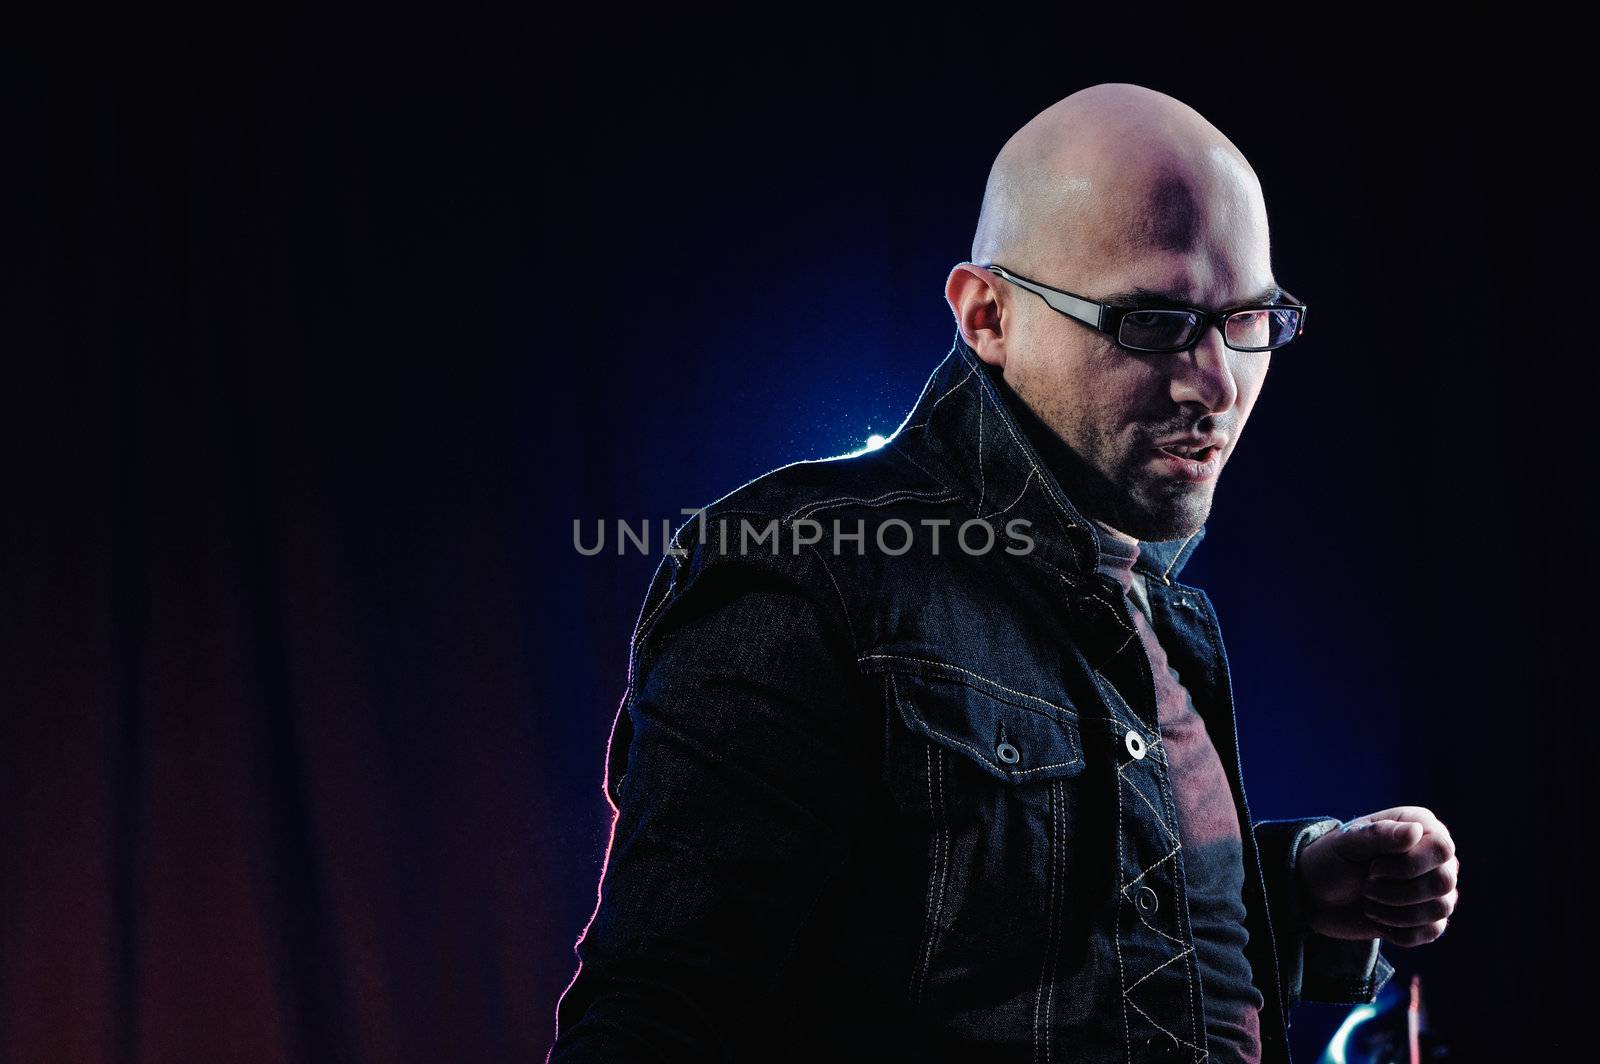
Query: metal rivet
{"points": [[1146, 900], [1008, 753], [1135, 744]]}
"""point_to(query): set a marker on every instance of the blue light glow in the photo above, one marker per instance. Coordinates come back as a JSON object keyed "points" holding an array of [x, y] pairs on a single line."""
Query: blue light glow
{"points": [[1341, 1038]]}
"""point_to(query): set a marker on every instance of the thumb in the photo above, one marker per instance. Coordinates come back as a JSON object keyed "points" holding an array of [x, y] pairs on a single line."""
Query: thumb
{"points": [[1360, 841]]}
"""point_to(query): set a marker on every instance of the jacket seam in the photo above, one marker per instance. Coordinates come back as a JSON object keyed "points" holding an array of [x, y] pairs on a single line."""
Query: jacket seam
{"points": [[939, 856], [907, 706], [806, 510], [844, 607], [1063, 508], [1068, 711], [1060, 511]]}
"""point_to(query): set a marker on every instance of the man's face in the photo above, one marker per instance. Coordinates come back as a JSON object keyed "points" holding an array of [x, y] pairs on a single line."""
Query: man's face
{"points": [[1116, 408]]}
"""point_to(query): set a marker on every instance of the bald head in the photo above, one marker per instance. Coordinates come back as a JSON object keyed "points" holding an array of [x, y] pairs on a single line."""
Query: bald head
{"points": [[1112, 172], [1127, 197]]}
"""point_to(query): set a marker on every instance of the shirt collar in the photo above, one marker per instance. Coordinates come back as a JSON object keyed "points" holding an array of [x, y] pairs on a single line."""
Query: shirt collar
{"points": [[962, 431]]}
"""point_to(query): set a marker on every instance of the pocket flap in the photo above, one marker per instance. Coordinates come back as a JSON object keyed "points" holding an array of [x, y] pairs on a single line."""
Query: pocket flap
{"points": [[1011, 735]]}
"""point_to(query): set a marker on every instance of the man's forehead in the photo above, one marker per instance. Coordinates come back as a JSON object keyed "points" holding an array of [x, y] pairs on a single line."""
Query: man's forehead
{"points": [[1192, 280], [1169, 216], [1203, 204]]}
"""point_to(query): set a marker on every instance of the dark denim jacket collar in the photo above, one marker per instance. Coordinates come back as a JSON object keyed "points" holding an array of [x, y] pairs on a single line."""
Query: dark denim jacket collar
{"points": [[961, 431]]}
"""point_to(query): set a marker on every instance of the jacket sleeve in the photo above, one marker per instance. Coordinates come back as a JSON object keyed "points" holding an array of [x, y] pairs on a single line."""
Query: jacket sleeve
{"points": [[726, 771], [1315, 967]]}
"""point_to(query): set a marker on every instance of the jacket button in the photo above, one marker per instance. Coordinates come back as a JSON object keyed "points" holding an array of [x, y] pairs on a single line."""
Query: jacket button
{"points": [[1146, 900], [1135, 744], [1008, 753]]}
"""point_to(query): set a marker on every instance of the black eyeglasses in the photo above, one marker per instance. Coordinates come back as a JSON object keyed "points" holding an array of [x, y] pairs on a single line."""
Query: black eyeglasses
{"points": [[1166, 329]]}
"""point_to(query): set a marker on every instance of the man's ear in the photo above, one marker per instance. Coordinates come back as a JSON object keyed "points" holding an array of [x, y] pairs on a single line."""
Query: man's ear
{"points": [[982, 312]]}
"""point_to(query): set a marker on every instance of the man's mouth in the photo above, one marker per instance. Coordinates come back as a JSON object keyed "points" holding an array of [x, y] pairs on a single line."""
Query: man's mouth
{"points": [[1194, 460], [1197, 453]]}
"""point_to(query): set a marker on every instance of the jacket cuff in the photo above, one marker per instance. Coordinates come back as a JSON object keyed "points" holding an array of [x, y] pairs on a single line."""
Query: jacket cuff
{"points": [[1315, 967]]}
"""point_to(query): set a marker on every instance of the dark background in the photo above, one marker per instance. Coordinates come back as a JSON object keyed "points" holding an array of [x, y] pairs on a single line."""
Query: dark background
{"points": [[321, 336]]}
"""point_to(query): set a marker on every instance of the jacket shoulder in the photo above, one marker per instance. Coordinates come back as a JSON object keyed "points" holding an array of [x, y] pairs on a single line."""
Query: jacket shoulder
{"points": [[820, 487]]}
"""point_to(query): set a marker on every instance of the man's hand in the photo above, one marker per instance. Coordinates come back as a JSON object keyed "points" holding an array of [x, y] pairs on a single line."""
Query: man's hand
{"points": [[1389, 875]]}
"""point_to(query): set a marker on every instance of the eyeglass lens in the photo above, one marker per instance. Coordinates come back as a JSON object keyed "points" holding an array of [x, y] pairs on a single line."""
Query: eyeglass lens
{"points": [[1174, 330]]}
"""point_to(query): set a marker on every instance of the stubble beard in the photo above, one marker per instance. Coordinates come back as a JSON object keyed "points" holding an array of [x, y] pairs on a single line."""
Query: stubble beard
{"points": [[1123, 493], [1108, 484]]}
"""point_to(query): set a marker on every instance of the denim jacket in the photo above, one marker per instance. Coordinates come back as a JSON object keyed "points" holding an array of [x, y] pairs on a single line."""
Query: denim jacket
{"points": [[881, 792]]}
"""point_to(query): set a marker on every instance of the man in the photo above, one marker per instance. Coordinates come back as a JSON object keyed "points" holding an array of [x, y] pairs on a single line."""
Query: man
{"points": [[919, 796]]}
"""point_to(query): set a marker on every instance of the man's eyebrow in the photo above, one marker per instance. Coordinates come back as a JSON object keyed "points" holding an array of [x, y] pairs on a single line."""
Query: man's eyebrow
{"points": [[1154, 297]]}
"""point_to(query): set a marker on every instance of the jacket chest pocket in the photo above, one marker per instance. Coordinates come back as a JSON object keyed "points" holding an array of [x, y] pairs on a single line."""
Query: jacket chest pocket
{"points": [[985, 777]]}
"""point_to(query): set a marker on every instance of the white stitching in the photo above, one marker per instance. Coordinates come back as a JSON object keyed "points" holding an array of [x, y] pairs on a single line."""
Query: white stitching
{"points": [[1187, 949], [1179, 1041], [1150, 743], [1026, 481], [1172, 836], [1050, 933], [1158, 863], [844, 607], [944, 851], [985, 392], [1175, 941], [1191, 969], [1115, 614], [985, 395], [807, 509], [644, 624], [968, 672], [900, 452], [1176, 555], [951, 391], [939, 854], [982, 480], [1055, 941], [1164, 825], [1116, 936], [912, 709], [1175, 957]]}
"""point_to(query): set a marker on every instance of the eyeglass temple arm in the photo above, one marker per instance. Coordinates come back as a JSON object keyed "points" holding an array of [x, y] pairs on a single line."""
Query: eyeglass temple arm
{"points": [[1067, 303]]}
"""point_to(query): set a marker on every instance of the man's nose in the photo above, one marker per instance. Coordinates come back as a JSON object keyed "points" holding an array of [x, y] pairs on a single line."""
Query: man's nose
{"points": [[1204, 374]]}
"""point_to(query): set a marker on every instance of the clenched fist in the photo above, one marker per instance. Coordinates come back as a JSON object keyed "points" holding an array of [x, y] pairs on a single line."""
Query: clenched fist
{"points": [[1389, 875]]}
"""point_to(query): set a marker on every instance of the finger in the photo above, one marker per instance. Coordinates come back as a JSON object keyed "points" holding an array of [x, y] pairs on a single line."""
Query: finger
{"points": [[1363, 841], [1427, 912], [1414, 814], [1426, 887], [1430, 852], [1410, 814], [1414, 936]]}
